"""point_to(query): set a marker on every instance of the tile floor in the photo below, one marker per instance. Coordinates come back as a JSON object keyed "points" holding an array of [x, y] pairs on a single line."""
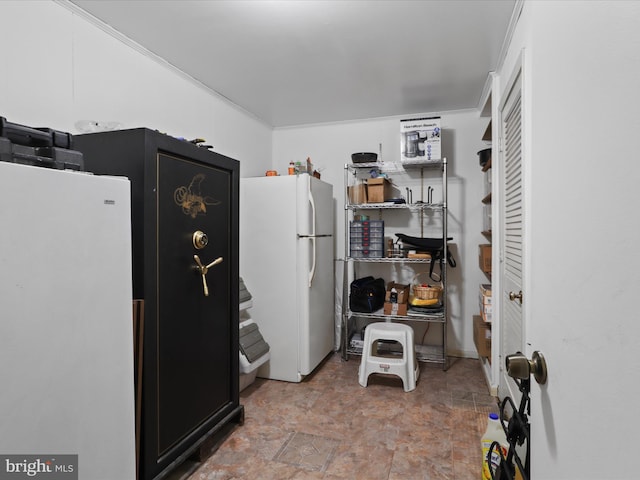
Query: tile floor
{"points": [[329, 427]]}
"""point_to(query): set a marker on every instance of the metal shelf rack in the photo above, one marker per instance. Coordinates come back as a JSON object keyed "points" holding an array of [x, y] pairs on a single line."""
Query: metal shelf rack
{"points": [[425, 353]]}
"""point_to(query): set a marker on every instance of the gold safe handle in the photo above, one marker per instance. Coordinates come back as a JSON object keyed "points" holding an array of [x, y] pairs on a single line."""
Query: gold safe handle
{"points": [[202, 269]]}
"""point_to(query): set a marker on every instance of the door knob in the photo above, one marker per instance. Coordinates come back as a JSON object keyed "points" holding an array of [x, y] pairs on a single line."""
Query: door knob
{"points": [[199, 239], [516, 296], [520, 367], [203, 269]]}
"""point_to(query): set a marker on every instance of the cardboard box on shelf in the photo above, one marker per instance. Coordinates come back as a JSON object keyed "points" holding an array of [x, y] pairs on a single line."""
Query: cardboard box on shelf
{"points": [[399, 309], [396, 299], [482, 336], [484, 300], [401, 293], [486, 312], [485, 294], [378, 190], [422, 255], [357, 194], [485, 257]]}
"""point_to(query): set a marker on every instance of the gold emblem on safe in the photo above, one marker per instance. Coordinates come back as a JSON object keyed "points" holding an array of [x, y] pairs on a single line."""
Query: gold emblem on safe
{"points": [[190, 198]]}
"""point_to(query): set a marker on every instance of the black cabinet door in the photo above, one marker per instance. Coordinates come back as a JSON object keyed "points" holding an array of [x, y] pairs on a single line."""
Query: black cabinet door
{"points": [[193, 318]]}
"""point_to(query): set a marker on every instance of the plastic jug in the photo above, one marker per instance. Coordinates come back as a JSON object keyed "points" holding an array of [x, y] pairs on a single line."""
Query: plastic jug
{"points": [[494, 433]]}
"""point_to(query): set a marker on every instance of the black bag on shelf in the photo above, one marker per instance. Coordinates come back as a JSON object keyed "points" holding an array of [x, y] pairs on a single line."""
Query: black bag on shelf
{"points": [[434, 246], [366, 295]]}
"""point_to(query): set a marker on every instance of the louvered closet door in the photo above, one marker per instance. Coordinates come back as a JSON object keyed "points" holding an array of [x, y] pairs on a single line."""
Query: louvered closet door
{"points": [[511, 231]]}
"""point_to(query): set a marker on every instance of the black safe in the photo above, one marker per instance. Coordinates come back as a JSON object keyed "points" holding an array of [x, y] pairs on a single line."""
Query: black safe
{"points": [[185, 268]]}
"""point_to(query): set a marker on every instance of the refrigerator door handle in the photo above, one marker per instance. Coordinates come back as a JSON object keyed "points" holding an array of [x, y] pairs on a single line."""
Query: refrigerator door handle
{"points": [[312, 272], [313, 213]]}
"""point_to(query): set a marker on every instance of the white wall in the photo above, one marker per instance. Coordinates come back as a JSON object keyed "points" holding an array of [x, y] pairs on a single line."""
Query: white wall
{"points": [[330, 146], [581, 124], [59, 68]]}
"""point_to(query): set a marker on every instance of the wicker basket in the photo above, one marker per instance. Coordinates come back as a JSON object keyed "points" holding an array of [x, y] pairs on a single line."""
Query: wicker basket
{"points": [[424, 291]]}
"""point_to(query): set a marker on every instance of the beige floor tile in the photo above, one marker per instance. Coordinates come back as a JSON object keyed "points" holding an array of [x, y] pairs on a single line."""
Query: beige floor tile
{"points": [[329, 427]]}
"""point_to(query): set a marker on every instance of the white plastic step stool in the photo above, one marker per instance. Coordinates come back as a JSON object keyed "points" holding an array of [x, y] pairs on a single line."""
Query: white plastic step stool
{"points": [[405, 367]]}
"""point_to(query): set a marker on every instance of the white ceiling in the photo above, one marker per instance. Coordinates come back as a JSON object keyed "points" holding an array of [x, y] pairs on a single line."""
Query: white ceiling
{"points": [[313, 61]]}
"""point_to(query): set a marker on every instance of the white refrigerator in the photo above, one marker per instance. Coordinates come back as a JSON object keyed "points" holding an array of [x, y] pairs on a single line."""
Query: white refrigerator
{"points": [[286, 261], [66, 335]]}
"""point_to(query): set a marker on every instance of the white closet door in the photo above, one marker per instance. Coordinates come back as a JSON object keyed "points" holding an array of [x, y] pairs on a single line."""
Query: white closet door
{"points": [[511, 231]]}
